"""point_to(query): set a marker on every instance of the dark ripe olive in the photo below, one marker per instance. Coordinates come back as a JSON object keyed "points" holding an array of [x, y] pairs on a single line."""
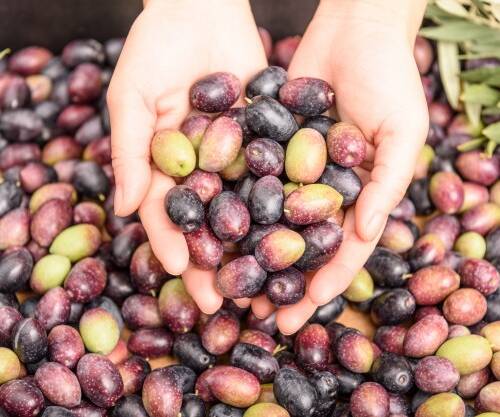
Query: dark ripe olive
{"points": [[295, 393], [92, 131], [390, 339], [126, 242], [21, 398], [9, 316], [330, 311], [100, 380], [393, 372], [205, 249], [65, 346], [428, 250], [229, 217], [35, 174], [8, 300], [118, 286], [115, 224], [29, 60], [239, 116], [185, 208], [130, 406], [446, 226], [87, 409], [369, 399], [405, 210], [267, 82], [265, 201], [348, 381], [86, 280], [28, 306], [161, 394], [256, 360], [493, 301], [306, 96], [83, 50], [267, 325], [141, 311], [192, 406], [185, 377], [59, 385], [419, 195], [393, 307], [354, 351], [285, 287], [146, 272], [150, 343], [29, 340], [60, 92], [206, 184], [327, 386], [220, 333], [344, 180], [270, 119], [244, 186], [73, 116], [320, 123], [387, 268], [16, 94], [113, 48], [224, 410], [493, 244], [133, 371], [90, 180], [50, 220], [53, 308], [322, 242], [20, 125], [15, 269], [56, 411], [84, 83], [265, 157], [18, 154], [216, 92], [312, 346], [10, 196], [190, 352]]}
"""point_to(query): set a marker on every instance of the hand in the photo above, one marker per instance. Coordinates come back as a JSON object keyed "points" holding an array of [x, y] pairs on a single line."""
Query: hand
{"points": [[368, 59], [170, 46]]}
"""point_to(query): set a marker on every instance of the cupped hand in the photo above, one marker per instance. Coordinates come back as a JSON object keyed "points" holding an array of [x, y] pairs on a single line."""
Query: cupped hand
{"points": [[370, 65], [170, 46]]}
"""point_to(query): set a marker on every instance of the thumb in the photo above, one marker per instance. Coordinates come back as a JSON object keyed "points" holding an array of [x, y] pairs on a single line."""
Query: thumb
{"points": [[132, 127], [397, 148]]}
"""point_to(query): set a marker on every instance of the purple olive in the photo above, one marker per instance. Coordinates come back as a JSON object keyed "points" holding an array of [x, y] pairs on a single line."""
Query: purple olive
{"points": [[133, 372], [21, 398], [229, 217], [220, 333], [65, 346], [53, 308], [59, 385], [306, 96], [29, 340], [285, 287], [216, 92], [150, 343], [86, 280], [141, 311]]}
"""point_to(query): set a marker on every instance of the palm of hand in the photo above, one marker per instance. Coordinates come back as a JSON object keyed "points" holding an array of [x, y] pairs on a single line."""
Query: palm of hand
{"points": [[150, 92], [378, 89]]}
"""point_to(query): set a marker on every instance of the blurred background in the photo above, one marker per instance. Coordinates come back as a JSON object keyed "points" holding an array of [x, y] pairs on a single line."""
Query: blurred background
{"points": [[52, 23]]}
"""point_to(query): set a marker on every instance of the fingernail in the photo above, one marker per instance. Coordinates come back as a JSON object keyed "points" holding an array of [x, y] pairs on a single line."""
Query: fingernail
{"points": [[374, 226], [117, 204]]}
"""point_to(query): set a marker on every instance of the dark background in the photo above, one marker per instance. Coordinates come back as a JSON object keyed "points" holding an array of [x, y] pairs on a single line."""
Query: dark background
{"points": [[52, 23]]}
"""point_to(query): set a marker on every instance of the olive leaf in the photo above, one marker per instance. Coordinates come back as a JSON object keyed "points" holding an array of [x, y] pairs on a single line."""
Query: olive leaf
{"points": [[479, 75], [491, 111], [453, 7], [450, 69], [473, 111], [470, 145], [480, 94], [490, 148], [4, 53], [460, 31], [495, 11], [493, 132]]}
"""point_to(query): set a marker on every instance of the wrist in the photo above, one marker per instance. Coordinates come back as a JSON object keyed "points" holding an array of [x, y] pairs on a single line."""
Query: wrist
{"points": [[400, 17]]}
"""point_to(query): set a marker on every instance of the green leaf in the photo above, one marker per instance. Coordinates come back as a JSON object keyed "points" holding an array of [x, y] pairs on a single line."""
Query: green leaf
{"points": [[479, 4], [4, 53], [459, 31], [479, 75], [470, 145], [491, 111], [490, 148], [480, 94], [493, 132], [453, 7], [449, 66], [473, 111]]}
